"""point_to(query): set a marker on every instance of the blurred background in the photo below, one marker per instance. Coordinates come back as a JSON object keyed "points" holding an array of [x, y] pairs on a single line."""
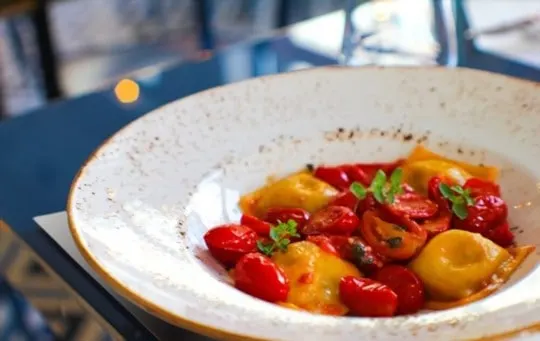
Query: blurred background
{"points": [[65, 49], [89, 43]]}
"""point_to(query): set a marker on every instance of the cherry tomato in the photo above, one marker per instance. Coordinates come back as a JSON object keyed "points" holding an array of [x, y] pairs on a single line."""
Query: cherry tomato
{"points": [[366, 297], [414, 205], [335, 176], [259, 276], [434, 193], [334, 220], [368, 203], [437, 224], [364, 173], [324, 243], [487, 212], [391, 240], [479, 187], [349, 200], [346, 199], [352, 249], [357, 174], [406, 284], [227, 243], [407, 188], [261, 227], [500, 235], [362, 255], [275, 215]]}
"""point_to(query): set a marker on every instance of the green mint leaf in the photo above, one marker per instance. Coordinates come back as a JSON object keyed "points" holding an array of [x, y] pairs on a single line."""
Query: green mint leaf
{"points": [[290, 229], [358, 190], [379, 181], [390, 197], [395, 180], [275, 233], [446, 191], [467, 196], [457, 189], [378, 194], [394, 242], [265, 248], [460, 210]]}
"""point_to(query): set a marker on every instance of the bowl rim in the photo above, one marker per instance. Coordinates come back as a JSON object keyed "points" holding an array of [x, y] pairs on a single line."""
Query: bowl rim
{"points": [[181, 321]]}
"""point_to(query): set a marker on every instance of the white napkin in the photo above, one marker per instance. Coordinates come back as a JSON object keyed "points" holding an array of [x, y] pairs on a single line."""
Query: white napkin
{"points": [[56, 226]]}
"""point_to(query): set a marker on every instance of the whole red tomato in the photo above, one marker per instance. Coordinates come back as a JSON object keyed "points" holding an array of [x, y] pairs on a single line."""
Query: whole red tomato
{"points": [[333, 220], [368, 203], [345, 199], [408, 287], [366, 297], [349, 200], [325, 243], [228, 243], [364, 173], [335, 176], [479, 187], [434, 193], [500, 235], [261, 227], [414, 205], [487, 212], [259, 276], [275, 215]]}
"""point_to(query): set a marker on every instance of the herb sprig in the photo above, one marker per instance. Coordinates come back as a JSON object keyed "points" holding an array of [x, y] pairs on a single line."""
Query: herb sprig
{"points": [[384, 190], [459, 197], [280, 237]]}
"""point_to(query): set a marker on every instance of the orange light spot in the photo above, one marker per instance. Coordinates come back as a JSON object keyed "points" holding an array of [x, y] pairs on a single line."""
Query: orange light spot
{"points": [[127, 91]]}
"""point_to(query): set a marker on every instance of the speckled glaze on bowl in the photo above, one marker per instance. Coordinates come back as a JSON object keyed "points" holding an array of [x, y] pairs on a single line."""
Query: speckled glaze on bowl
{"points": [[140, 205]]}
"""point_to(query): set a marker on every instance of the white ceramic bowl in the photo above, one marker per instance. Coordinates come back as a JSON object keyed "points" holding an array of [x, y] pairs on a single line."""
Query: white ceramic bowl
{"points": [[140, 205]]}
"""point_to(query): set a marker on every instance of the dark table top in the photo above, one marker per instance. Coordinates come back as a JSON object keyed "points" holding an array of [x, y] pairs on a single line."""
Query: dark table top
{"points": [[41, 151]]}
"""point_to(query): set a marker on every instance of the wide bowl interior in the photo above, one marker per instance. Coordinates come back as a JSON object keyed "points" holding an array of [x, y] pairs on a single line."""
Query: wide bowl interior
{"points": [[139, 207]]}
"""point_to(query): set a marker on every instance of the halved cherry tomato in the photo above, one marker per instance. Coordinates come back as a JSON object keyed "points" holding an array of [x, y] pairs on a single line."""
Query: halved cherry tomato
{"points": [[259, 276], [261, 227], [334, 220], [479, 186], [414, 205], [487, 212], [335, 176], [366, 297], [228, 243], [438, 224], [500, 235], [390, 240], [352, 249], [362, 255], [274, 215], [406, 284], [345, 199]]}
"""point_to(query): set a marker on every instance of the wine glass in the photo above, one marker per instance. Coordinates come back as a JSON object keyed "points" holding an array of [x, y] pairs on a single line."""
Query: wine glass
{"points": [[399, 32]]}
